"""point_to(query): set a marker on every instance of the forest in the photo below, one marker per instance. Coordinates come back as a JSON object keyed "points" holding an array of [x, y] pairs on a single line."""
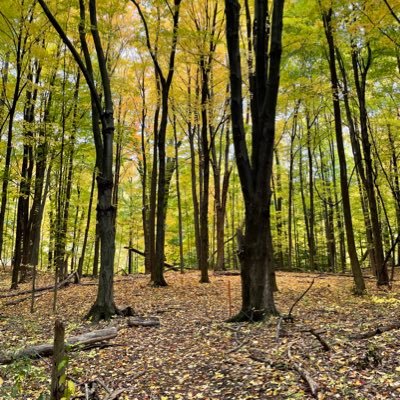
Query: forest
{"points": [[199, 199]]}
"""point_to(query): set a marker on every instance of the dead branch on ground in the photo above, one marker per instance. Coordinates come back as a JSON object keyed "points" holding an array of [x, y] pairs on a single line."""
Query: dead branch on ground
{"points": [[376, 331], [306, 376]]}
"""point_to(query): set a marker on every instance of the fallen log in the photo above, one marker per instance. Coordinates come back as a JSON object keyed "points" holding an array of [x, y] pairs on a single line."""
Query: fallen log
{"points": [[41, 289], [227, 273], [147, 322], [14, 302], [72, 343], [376, 331]]}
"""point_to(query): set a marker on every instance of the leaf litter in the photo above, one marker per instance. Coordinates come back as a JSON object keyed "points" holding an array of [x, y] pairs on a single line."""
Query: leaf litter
{"points": [[194, 354]]}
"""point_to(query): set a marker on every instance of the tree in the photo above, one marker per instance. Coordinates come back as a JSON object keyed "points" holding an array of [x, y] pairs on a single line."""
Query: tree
{"points": [[165, 82], [255, 169], [104, 306]]}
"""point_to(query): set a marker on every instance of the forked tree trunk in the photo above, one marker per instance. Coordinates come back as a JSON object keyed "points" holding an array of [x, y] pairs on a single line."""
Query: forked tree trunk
{"points": [[104, 306], [257, 270]]}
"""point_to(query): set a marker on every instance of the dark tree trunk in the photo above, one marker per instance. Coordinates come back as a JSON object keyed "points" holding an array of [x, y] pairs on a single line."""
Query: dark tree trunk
{"points": [[196, 212], [96, 254], [204, 172], [358, 159], [144, 176], [396, 187], [21, 42], [3, 95], [278, 210], [311, 211], [178, 196], [357, 274], [360, 71], [77, 229], [290, 196], [22, 233], [65, 198], [257, 272], [153, 192], [221, 196], [86, 234], [104, 306], [304, 203], [328, 215]]}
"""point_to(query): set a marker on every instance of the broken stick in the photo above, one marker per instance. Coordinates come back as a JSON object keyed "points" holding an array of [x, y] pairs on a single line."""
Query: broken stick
{"points": [[306, 376]]}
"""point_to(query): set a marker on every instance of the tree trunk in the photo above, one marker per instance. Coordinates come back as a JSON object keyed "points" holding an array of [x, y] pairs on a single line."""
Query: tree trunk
{"points": [[290, 195], [59, 365], [178, 195], [257, 271], [357, 274], [86, 234], [278, 210], [360, 70], [22, 234], [311, 211], [204, 173]]}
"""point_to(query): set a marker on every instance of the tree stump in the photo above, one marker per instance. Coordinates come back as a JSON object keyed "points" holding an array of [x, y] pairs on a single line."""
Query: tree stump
{"points": [[59, 364]]}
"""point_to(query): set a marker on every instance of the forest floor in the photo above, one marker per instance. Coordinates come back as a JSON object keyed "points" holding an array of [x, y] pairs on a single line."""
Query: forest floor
{"points": [[194, 354]]}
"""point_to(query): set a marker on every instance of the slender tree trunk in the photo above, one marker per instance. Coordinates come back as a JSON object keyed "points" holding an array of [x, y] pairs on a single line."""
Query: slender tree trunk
{"points": [[328, 215], [396, 187], [86, 234], [305, 208], [278, 210], [359, 163], [357, 274], [290, 195], [220, 196], [311, 211], [144, 176], [153, 191], [178, 195], [204, 173], [3, 95], [360, 70], [96, 254]]}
